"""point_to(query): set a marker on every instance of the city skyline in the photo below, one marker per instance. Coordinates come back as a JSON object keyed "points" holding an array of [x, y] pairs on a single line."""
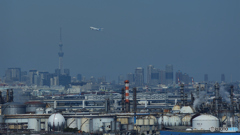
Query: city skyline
{"points": [[203, 41]]}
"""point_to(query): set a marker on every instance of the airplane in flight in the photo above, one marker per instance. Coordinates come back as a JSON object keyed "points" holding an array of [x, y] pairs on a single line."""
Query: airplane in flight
{"points": [[97, 29]]}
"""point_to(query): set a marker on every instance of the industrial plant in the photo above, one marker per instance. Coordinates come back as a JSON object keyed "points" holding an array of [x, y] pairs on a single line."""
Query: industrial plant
{"points": [[197, 109]]}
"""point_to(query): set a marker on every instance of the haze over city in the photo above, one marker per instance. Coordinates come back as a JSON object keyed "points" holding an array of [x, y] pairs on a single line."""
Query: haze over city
{"points": [[196, 37]]}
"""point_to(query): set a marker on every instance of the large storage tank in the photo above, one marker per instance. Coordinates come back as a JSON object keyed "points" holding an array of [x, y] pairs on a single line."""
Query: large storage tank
{"points": [[165, 120], [85, 124], [39, 111], [13, 108], [186, 109], [34, 124], [72, 123], [123, 120], [56, 122], [205, 122], [175, 121], [33, 105], [186, 120]]}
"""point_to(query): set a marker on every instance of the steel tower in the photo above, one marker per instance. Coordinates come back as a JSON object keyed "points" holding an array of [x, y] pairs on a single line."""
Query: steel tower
{"points": [[60, 53]]}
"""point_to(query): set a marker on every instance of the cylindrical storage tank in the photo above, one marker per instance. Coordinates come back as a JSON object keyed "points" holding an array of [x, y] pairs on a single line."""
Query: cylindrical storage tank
{"points": [[146, 121], [124, 127], [85, 124], [79, 123], [174, 121], [34, 124], [98, 122], [130, 120], [39, 111], [205, 122], [49, 110], [186, 120], [123, 120], [140, 122], [33, 105], [12, 108], [165, 121], [151, 122], [72, 123], [56, 122]]}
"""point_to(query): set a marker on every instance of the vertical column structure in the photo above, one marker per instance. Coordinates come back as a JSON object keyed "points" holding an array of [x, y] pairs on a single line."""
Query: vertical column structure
{"points": [[127, 95], [216, 98], [123, 108], [135, 100], [60, 53], [182, 94]]}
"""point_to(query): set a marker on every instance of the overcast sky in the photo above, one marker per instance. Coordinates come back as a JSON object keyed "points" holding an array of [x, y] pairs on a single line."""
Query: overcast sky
{"points": [[196, 37]]}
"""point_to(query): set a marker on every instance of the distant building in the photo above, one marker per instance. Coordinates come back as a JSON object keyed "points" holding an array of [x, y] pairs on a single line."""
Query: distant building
{"points": [[162, 77], [121, 79], [79, 77], [139, 76], [13, 74], [67, 71], [155, 77], [206, 78], [222, 78], [149, 72], [130, 78], [179, 76], [31, 74], [101, 79], [169, 74], [185, 78]]}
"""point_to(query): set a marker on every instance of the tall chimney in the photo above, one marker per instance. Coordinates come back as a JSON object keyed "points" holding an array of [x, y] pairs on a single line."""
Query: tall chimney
{"points": [[123, 93], [127, 95]]}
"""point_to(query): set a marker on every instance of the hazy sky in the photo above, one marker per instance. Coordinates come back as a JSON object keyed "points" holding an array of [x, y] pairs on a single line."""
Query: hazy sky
{"points": [[197, 37]]}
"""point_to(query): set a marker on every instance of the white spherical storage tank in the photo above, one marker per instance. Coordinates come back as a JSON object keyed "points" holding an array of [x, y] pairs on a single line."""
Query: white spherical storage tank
{"points": [[205, 122], [165, 120], [56, 122], [174, 121]]}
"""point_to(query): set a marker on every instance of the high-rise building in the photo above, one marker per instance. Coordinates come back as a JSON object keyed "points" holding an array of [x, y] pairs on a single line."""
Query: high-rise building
{"points": [[139, 76], [121, 79], [31, 74], [13, 74], [222, 78], [130, 78], [179, 76], [79, 77], [101, 79], [67, 71], [169, 74], [155, 77], [60, 53], [149, 72], [205, 77], [185, 78], [162, 77]]}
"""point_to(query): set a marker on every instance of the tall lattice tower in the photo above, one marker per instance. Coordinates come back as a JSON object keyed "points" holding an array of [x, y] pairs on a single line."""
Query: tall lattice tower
{"points": [[60, 53]]}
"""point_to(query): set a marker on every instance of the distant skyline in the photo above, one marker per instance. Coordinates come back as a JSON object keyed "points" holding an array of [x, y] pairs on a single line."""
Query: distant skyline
{"points": [[196, 37]]}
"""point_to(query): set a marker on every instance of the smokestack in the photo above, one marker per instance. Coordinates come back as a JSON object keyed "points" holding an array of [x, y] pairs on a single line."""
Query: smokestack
{"points": [[185, 103], [216, 97], [231, 95], [123, 93], [127, 95], [182, 94], [134, 100], [107, 105], [7, 95]]}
